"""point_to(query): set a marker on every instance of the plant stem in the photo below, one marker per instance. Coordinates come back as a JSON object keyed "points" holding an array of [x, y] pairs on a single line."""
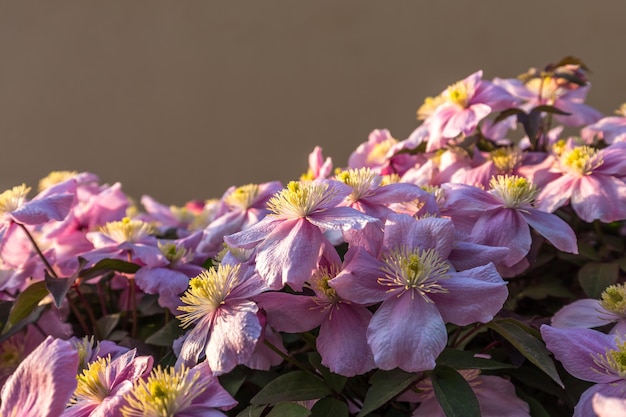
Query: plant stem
{"points": [[290, 359], [39, 253]]}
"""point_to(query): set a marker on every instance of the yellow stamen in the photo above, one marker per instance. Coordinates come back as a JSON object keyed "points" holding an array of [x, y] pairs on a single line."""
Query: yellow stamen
{"points": [[378, 154], [126, 230], [613, 299], [429, 106], [581, 160], [54, 178], [299, 199], [12, 199], [512, 190], [613, 361], [242, 197], [457, 94], [361, 180], [506, 159], [207, 292], [91, 382]]}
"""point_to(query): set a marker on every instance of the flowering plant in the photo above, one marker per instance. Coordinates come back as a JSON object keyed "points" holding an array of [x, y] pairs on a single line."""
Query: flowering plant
{"points": [[474, 268]]}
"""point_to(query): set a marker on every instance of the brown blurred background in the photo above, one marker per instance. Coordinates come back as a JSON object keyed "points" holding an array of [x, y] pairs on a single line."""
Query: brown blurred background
{"points": [[181, 99]]}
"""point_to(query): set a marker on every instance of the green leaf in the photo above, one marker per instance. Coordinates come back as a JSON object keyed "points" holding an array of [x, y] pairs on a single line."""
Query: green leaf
{"points": [[289, 410], [166, 335], [25, 304], [294, 386], [106, 324], [455, 396], [536, 409], [233, 380], [330, 407], [58, 287], [549, 109], [106, 265], [528, 345], [508, 112], [385, 385], [595, 277], [461, 359], [335, 381], [252, 411]]}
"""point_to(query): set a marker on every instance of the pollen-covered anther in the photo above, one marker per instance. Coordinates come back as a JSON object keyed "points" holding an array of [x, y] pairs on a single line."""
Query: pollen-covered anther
{"points": [[91, 382], [207, 292], [581, 160], [126, 230], [417, 270], [514, 191], [54, 178], [164, 393], [12, 199], [299, 199], [378, 154], [172, 252], [319, 283], [458, 94], [242, 197], [613, 299], [613, 361], [361, 181], [506, 159]]}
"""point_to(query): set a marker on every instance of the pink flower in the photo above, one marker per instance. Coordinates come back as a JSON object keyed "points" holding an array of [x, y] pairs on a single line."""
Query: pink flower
{"points": [[318, 166], [608, 406], [227, 326], [591, 356], [43, 383], [591, 180], [289, 241], [503, 217], [459, 109], [416, 284], [103, 384]]}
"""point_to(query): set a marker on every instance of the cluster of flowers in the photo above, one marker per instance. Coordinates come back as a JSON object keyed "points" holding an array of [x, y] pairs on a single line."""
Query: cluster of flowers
{"points": [[418, 251]]}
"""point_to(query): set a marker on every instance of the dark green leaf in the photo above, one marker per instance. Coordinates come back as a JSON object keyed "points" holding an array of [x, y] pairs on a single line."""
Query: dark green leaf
{"points": [[335, 382], [166, 335], [289, 410], [385, 385], [508, 112], [252, 411], [25, 304], [528, 345], [594, 277], [58, 287], [329, 407], [536, 409], [106, 265], [549, 109], [461, 359], [294, 386], [233, 380], [106, 324], [455, 396]]}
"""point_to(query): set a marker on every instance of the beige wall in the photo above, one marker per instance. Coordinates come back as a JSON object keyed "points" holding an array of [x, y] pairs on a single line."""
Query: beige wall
{"points": [[181, 99]]}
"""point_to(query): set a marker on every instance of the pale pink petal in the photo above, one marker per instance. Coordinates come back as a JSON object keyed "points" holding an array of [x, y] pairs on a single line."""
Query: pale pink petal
{"points": [[496, 398], [291, 313], [600, 197], [506, 228], [43, 383], [407, 332], [235, 332], [585, 313], [608, 406], [556, 193], [553, 228], [474, 295], [584, 408], [342, 340]]}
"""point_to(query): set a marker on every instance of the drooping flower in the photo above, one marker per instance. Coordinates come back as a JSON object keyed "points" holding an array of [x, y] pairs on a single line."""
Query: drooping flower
{"points": [[289, 241], [227, 327], [178, 392], [591, 356], [43, 383], [496, 397]]}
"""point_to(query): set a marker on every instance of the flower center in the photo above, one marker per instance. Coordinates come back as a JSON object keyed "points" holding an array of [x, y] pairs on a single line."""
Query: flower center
{"points": [[512, 190], [207, 292], [614, 360], [12, 199], [325, 294], [172, 252], [457, 94], [361, 180], [581, 160], [414, 270], [126, 230], [506, 159], [242, 197], [11, 354], [429, 107], [164, 393], [91, 382], [378, 154], [613, 299], [299, 199]]}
